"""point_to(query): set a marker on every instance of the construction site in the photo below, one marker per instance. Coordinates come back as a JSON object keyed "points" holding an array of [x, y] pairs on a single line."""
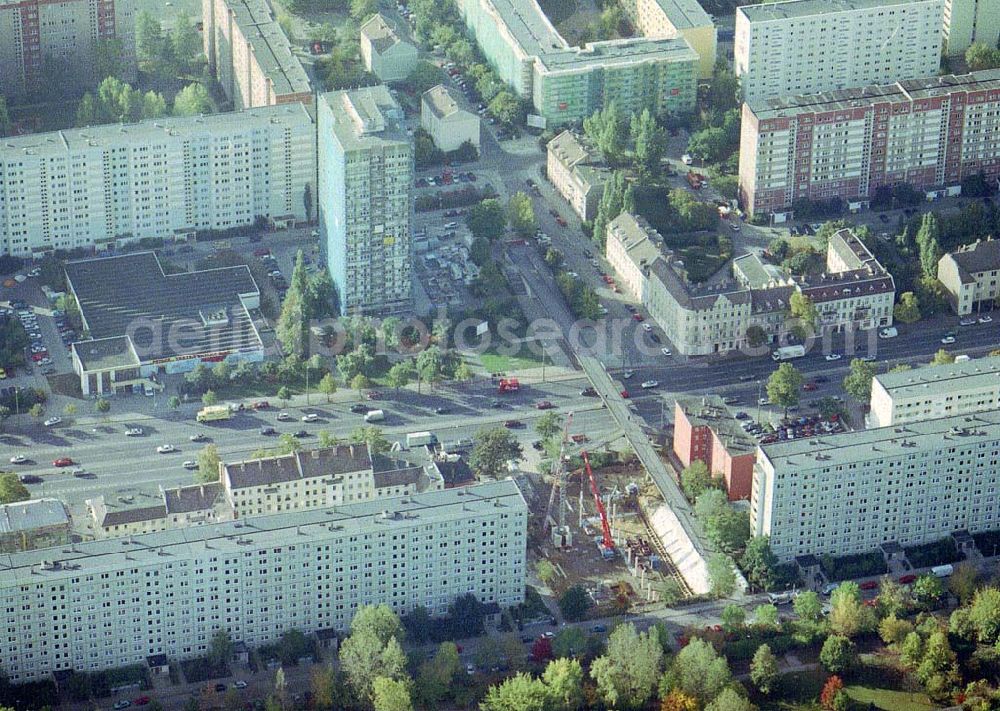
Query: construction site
{"points": [[592, 526]]}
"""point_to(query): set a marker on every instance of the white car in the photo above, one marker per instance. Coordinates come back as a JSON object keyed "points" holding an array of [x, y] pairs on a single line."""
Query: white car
{"points": [[986, 319], [190, 464], [970, 321], [283, 417], [646, 327], [18, 459], [133, 431], [686, 159], [947, 340], [647, 384], [833, 356], [52, 421], [627, 374], [763, 401], [166, 449], [240, 684], [311, 417], [665, 351]]}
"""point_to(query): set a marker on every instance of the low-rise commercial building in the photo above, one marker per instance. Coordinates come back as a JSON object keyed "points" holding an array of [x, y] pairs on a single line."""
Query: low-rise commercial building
{"points": [[856, 144], [250, 56], [851, 493], [106, 186], [577, 173], [142, 321], [36, 523], [971, 275], [935, 391], [180, 507], [385, 53], [705, 431], [798, 47], [677, 18], [970, 21], [169, 592], [565, 83], [449, 125]]}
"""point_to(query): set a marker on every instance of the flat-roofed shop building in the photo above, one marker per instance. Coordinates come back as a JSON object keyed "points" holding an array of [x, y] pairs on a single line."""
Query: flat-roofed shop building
{"points": [[142, 321]]}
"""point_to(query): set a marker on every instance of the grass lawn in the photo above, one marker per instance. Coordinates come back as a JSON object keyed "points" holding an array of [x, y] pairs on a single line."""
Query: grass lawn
{"points": [[496, 363], [890, 700]]}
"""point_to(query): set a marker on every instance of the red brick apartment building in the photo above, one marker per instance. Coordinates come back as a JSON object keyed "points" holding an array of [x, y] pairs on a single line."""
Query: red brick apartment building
{"points": [[705, 431]]}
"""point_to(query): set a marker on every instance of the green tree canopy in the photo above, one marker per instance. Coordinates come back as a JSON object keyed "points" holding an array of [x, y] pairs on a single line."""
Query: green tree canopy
{"points": [[193, 100], [764, 669], [494, 448], [784, 386], [698, 671], [488, 220], [837, 654], [858, 382], [208, 464], [627, 674], [11, 489], [521, 214]]}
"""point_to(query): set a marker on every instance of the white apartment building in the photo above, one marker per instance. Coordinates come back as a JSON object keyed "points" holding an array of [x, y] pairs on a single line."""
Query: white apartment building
{"points": [[935, 391], [91, 187], [631, 252], [385, 53], [41, 41], [105, 604], [968, 21], [449, 125], [322, 477], [577, 172], [810, 46], [677, 18], [180, 507], [849, 493], [971, 275], [365, 205]]}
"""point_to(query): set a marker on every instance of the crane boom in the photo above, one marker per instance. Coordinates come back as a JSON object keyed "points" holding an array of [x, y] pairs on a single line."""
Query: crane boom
{"points": [[605, 527]]}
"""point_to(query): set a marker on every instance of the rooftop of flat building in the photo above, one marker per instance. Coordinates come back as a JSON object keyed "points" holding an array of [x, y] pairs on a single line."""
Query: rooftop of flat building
{"points": [[711, 411], [265, 532], [755, 273], [641, 242], [270, 46], [907, 91], [380, 32], [685, 14], [882, 442], [366, 116], [163, 315], [28, 515], [112, 353], [930, 380], [788, 9], [442, 103], [617, 53], [572, 151], [149, 132]]}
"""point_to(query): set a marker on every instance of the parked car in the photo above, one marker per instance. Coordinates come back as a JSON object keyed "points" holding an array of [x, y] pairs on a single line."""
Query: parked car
{"points": [[649, 384], [63, 462], [166, 449], [52, 421], [544, 405]]}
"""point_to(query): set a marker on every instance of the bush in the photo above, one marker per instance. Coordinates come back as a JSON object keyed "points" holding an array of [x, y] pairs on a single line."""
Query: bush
{"points": [[862, 565], [202, 669], [930, 554]]}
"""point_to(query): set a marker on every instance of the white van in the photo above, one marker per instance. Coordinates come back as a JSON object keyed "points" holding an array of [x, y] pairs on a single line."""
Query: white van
{"points": [[889, 332], [374, 416], [942, 571]]}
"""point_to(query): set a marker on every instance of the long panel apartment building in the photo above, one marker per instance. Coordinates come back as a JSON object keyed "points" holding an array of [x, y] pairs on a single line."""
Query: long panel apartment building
{"points": [[566, 83], [365, 187], [41, 41], [930, 133], [850, 493], [810, 46], [87, 187], [108, 603], [970, 21], [250, 55]]}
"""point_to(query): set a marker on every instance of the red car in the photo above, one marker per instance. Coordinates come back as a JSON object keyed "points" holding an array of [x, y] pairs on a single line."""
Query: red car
{"points": [[906, 579], [624, 394], [39, 356], [638, 317], [373, 394], [63, 462], [869, 585], [809, 387], [544, 405], [261, 405], [140, 701]]}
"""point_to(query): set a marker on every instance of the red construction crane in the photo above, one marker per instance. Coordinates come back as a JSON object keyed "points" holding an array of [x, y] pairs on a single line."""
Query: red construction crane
{"points": [[607, 544]]}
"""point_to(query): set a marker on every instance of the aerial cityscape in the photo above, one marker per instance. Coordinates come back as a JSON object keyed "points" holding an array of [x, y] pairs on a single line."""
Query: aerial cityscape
{"points": [[508, 355]]}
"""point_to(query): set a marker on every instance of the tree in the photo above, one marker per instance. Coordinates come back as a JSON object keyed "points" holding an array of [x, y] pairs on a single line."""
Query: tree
{"points": [[677, 700], [506, 107], [373, 650], [193, 100], [733, 618], [400, 374], [549, 425], [695, 479], [608, 129], [808, 607], [494, 448], [102, 406], [893, 630], [361, 10], [730, 700], [759, 562], [570, 642], [463, 373], [858, 383], [293, 323], [727, 528], [964, 582], [710, 145], [435, 676], [575, 603], [927, 591], [942, 357], [848, 614], [784, 386], [833, 689], [984, 615], [37, 411], [429, 365], [763, 669], [391, 695], [373, 437], [627, 674], [927, 240], [803, 310], [487, 220], [650, 144], [564, 684], [980, 56], [698, 671], [5, 122], [837, 653], [893, 598], [209, 398], [610, 206], [328, 385], [173, 402], [208, 464], [912, 649], [220, 648], [766, 616], [520, 692], [938, 656], [721, 575], [908, 308], [521, 214], [11, 489], [185, 39]]}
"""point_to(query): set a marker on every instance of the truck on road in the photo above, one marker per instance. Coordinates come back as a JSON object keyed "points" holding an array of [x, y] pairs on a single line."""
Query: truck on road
{"points": [[788, 352], [374, 416], [213, 412], [419, 439]]}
